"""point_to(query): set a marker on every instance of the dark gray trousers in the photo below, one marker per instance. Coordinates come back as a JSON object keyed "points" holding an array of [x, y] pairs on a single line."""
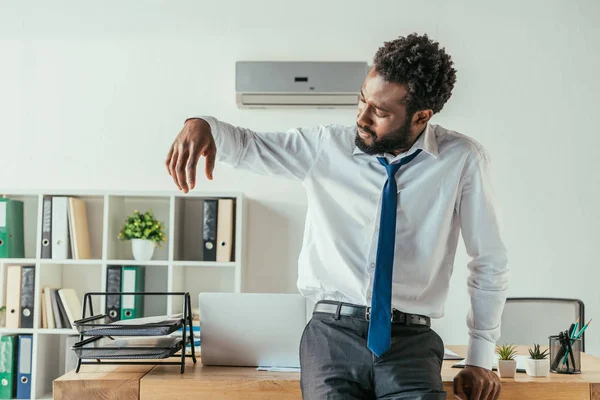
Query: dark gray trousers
{"points": [[336, 363]]}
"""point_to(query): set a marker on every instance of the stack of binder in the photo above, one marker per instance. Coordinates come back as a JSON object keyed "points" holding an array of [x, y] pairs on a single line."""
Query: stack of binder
{"points": [[65, 232], [136, 339], [218, 230], [15, 366], [20, 281], [126, 278]]}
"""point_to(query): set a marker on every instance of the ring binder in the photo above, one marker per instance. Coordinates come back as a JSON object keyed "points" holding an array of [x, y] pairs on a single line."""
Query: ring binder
{"points": [[138, 338]]}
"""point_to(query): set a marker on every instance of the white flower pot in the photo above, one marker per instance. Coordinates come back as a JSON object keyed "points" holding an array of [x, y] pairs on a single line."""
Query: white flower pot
{"points": [[142, 249], [537, 367], [507, 368]]}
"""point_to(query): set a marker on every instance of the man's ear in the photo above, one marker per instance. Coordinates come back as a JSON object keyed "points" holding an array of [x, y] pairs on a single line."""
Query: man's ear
{"points": [[422, 117]]}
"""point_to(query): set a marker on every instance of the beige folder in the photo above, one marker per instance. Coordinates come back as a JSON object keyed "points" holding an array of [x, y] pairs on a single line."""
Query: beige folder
{"points": [[43, 317], [78, 228], [13, 296], [47, 293], [71, 303], [225, 220]]}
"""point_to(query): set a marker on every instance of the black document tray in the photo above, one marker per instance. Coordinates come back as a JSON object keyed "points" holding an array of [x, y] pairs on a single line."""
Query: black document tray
{"points": [[128, 348], [102, 325]]}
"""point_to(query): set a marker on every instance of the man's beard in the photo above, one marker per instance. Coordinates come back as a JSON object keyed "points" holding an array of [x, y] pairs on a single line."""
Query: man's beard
{"points": [[398, 139]]}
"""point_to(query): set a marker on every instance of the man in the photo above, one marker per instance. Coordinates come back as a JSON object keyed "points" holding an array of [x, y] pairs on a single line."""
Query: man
{"points": [[387, 198]]}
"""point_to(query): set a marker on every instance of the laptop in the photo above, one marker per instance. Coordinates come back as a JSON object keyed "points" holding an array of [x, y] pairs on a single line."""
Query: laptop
{"points": [[251, 329]]}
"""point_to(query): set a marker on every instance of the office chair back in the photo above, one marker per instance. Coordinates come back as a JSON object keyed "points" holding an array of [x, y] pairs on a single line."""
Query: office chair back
{"points": [[528, 320]]}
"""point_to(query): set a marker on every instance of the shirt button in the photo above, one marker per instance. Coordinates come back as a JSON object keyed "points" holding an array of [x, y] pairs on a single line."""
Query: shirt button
{"points": [[372, 265]]}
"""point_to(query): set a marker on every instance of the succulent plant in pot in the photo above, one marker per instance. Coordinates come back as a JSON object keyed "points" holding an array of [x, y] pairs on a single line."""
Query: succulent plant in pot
{"points": [[537, 363], [507, 365]]}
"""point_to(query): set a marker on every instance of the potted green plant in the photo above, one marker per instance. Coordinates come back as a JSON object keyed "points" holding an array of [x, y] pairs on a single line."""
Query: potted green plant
{"points": [[537, 364], [507, 365], [145, 233]]}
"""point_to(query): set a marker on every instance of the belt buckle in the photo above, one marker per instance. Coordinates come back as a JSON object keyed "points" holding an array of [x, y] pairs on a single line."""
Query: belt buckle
{"points": [[368, 314]]}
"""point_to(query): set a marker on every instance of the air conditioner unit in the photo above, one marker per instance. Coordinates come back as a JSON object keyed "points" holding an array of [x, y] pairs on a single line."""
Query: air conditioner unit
{"points": [[270, 84]]}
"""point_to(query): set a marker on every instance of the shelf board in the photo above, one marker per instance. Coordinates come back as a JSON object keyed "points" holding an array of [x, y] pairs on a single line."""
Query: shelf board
{"points": [[70, 261], [204, 264], [17, 331], [179, 263], [136, 262], [18, 260], [47, 396], [46, 331]]}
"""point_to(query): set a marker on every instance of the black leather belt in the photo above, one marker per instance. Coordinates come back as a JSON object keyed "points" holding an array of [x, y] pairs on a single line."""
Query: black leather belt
{"points": [[351, 310]]}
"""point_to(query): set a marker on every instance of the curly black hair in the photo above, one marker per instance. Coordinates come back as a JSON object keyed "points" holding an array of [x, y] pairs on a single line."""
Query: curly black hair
{"points": [[422, 66]]}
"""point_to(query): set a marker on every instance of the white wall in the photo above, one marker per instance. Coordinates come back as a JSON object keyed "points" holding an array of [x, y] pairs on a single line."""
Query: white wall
{"points": [[93, 93]]}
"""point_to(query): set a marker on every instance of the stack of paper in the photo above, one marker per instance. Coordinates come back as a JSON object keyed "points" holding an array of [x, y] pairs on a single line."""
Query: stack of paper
{"points": [[279, 369], [450, 355], [521, 363]]}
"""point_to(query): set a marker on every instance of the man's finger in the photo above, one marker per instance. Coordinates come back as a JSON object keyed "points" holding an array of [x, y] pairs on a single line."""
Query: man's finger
{"points": [[210, 162], [180, 169], [497, 390], [191, 166], [173, 166], [459, 392], [476, 392], [487, 391], [168, 159]]}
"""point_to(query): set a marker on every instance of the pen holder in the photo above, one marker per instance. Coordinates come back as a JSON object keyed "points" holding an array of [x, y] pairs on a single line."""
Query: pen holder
{"points": [[559, 364]]}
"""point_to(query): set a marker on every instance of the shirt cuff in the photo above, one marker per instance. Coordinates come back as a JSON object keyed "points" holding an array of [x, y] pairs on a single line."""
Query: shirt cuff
{"points": [[480, 353]]}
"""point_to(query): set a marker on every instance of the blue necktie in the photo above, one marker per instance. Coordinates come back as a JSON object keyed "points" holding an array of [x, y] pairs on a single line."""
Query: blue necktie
{"points": [[380, 319]]}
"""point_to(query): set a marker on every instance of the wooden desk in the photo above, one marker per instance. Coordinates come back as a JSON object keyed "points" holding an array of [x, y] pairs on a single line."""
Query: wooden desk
{"points": [[228, 383], [101, 382]]}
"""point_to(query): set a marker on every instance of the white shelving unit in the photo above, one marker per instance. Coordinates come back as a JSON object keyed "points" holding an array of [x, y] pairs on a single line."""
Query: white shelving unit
{"points": [[176, 266]]}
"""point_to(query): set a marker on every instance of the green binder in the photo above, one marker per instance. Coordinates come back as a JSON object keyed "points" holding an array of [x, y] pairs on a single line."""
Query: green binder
{"points": [[8, 363], [12, 243], [132, 280]]}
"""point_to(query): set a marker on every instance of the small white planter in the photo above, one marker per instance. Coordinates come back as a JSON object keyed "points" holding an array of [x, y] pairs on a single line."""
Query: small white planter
{"points": [[537, 367], [142, 249], [507, 368]]}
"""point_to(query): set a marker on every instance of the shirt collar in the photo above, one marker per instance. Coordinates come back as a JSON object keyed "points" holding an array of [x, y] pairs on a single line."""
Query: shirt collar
{"points": [[426, 142]]}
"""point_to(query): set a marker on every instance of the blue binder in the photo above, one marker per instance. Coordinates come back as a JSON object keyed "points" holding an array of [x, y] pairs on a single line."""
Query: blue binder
{"points": [[24, 367]]}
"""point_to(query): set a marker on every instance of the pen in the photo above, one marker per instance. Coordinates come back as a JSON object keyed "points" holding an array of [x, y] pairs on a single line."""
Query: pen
{"points": [[567, 345], [571, 355], [560, 352], [571, 331]]}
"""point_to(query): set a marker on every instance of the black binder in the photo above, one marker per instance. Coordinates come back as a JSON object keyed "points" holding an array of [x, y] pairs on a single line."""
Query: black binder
{"points": [[27, 288], [209, 232], [47, 227], [113, 284]]}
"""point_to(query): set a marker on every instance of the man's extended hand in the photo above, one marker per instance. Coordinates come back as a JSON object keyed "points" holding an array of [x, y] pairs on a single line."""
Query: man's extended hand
{"points": [[476, 383], [194, 140]]}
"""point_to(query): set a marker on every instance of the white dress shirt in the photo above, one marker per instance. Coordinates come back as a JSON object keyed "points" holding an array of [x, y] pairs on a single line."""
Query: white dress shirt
{"points": [[444, 189]]}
